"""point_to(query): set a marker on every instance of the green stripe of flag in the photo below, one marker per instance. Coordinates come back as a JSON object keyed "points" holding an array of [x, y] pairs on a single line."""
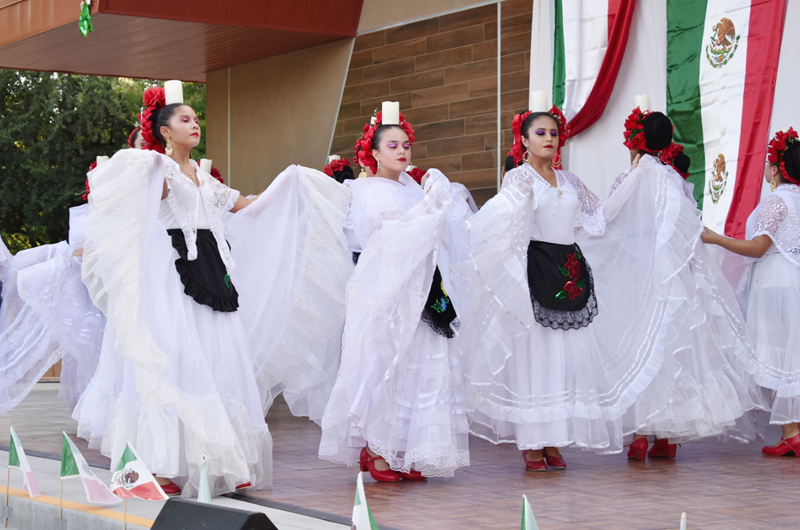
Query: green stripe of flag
{"points": [[13, 456], [559, 60], [68, 465], [685, 33]]}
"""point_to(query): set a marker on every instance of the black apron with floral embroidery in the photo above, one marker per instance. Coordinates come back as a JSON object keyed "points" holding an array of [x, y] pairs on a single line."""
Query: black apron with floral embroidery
{"points": [[439, 312], [561, 285]]}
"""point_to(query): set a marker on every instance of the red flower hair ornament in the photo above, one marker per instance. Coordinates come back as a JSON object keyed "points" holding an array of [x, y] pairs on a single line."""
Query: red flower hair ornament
{"points": [[634, 130], [335, 166], [667, 157], [518, 150], [216, 174], [415, 173], [85, 195], [363, 148], [153, 100], [777, 147]]}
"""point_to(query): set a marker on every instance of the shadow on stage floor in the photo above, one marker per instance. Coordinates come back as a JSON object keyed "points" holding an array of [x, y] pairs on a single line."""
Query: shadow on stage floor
{"points": [[720, 486]]}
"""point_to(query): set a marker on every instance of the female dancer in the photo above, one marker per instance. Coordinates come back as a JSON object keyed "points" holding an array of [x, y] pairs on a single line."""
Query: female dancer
{"points": [[665, 307], [175, 377], [773, 236], [136, 140], [534, 370], [397, 408]]}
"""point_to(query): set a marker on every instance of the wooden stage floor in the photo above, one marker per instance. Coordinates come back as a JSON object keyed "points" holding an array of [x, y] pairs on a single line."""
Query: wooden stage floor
{"points": [[720, 486]]}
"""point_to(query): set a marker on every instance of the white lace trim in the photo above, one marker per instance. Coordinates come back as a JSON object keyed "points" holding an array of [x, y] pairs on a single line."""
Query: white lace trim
{"points": [[778, 216]]}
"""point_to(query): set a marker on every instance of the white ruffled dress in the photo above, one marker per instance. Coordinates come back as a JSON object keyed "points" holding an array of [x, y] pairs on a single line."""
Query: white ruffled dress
{"points": [[48, 316], [399, 388], [773, 301], [175, 378], [528, 384], [667, 313]]}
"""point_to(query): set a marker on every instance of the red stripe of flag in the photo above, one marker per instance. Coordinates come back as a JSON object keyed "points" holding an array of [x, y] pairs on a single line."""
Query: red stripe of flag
{"points": [[763, 51]]}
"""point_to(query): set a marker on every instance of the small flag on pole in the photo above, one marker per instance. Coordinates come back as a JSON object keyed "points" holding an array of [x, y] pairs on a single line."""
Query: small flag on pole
{"points": [[683, 521], [528, 520], [133, 479], [74, 465], [17, 459], [362, 516], [203, 491]]}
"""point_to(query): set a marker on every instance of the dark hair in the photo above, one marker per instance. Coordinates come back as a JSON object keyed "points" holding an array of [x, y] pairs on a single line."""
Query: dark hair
{"points": [[791, 159], [379, 131], [135, 134], [160, 118], [657, 131], [509, 165], [345, 174], [526, 125], [682, 163]]}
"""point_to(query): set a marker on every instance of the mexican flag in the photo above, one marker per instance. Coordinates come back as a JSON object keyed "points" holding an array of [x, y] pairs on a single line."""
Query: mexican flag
{"points": [[528, 520], [74, 465], [133, 479], [722, 65], [17, 459], [362, 516]]}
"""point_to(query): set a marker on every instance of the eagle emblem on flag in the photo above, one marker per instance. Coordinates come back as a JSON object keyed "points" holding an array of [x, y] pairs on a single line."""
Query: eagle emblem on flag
{"points": [[724, 43], [719, 178]]}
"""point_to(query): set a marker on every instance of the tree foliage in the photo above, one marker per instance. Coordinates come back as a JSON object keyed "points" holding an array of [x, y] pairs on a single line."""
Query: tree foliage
{"points": [[52, 127]]}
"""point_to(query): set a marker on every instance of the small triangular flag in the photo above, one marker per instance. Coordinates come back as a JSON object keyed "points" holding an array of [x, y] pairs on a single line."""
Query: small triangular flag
{"points": [[17, 459], [133, 479], [203, 491], [74, 465], [528, 520], [362, 515]]}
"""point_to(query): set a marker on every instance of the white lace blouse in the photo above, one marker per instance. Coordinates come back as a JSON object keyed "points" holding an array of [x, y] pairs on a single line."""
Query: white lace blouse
{"points": [[778, 216], [191, 207]]}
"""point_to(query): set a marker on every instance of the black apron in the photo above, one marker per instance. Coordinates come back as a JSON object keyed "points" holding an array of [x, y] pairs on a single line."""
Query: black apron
{"points": [[206, 278], [561, 286]]}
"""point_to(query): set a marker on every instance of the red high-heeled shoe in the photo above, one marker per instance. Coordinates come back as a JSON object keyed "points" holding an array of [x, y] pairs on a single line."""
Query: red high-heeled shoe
{"points": [[244, 485], [782, 449], [662, 449], [794, 443], [638, 450], [411, 475], [534, 465], [171, 488], [367, 463]]}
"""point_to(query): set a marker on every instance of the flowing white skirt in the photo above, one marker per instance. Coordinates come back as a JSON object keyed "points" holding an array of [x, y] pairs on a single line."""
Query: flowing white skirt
{"points": [[399, 388], [773, 302], [183, 386]]}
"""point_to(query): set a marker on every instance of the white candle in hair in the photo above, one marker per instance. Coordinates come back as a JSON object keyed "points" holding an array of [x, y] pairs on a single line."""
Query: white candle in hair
{"points": [[205, 165], [390, 113], [643, 102], [539, 101], [173, 92], [101, 159]]}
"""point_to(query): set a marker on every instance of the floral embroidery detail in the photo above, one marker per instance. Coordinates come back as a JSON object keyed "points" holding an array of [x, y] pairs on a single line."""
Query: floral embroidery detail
{"points": [[572, 270], [441, 304], [228, 281]]}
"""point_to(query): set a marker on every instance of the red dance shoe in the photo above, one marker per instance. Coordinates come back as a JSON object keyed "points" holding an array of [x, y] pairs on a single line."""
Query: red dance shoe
{"points": [[662, 449], [367, 463], [782, 449], [412, 475], [794, 444], [244, 485], [638, 450], [171, 488], [556, 462], [534, 465]]}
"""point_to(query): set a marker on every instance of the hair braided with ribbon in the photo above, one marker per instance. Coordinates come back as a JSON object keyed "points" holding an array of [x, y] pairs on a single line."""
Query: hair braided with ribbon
{"points": [[364, 145], [154, 100], [778, 147]]}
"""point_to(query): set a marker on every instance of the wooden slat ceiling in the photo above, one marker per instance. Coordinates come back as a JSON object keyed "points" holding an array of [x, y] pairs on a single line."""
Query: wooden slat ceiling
{"points": [[153, 42]]}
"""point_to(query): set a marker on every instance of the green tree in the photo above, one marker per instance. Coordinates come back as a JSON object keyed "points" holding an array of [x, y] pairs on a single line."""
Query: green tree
{"points": [[52, 127]]}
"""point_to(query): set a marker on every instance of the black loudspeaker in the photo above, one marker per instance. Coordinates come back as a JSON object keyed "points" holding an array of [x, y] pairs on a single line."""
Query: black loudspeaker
{"points": [[179, 514]]}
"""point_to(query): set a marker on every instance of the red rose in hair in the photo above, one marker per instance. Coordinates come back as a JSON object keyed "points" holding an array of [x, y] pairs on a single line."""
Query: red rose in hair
{"points": [[154, 97], [85, 196], [335, 166], [634, 131]]}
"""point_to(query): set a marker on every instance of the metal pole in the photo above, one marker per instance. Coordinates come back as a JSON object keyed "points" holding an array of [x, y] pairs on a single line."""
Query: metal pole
{"points": [[499, 117]]}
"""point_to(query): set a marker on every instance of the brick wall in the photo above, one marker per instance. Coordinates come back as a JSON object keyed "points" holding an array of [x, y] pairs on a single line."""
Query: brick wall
{"points": [[443, 71]]}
